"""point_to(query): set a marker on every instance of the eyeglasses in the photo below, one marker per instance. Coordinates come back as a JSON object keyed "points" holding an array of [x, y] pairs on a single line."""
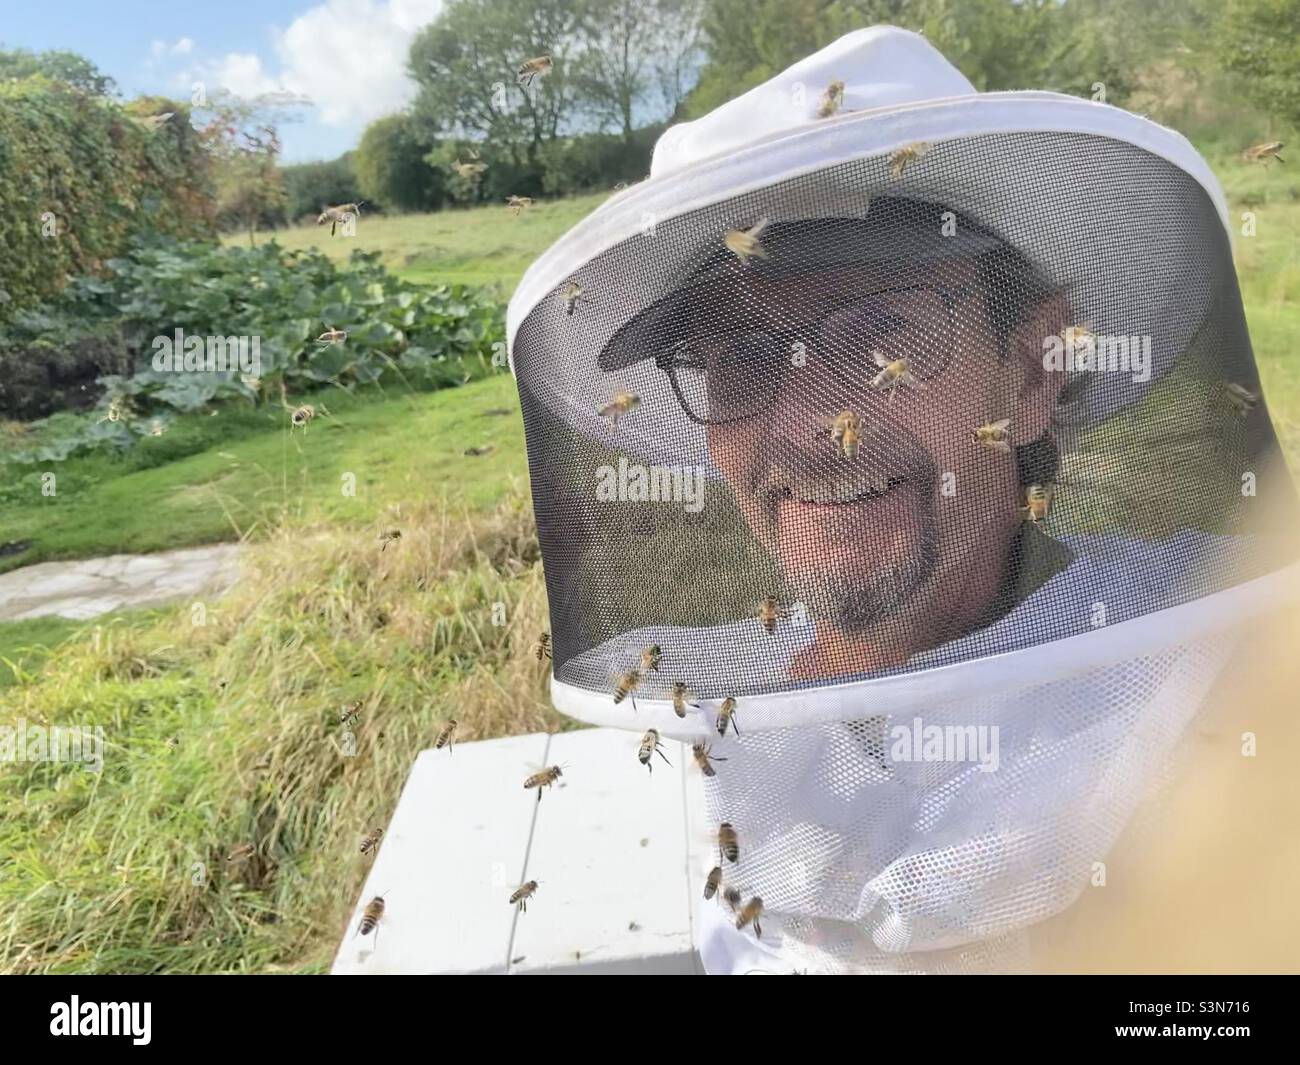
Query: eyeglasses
{"points": [[736, 373]]}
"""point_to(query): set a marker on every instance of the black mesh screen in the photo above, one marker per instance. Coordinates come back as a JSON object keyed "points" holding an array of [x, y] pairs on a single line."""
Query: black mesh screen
{"points": [[845, 410]]}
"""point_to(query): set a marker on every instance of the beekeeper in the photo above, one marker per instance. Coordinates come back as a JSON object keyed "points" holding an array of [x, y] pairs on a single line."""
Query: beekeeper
{"points": [[968, 383]]}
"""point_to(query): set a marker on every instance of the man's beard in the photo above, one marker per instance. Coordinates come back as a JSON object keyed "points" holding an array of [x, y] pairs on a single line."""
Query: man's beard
{"points": [[858, 600]]}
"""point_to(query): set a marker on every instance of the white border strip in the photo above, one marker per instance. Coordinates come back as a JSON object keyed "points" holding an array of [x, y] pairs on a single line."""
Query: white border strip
{"points": [[821, 145], [997, 673]]}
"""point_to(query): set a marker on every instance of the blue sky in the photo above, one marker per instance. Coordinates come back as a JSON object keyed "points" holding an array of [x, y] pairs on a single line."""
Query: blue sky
{"points": [[347, 56]]}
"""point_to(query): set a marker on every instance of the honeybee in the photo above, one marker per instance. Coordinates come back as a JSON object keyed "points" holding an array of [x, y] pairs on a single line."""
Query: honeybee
{"points": [[650, 659], [542, 648], [468, 171], [893, 372], [1038, 501], [155, 122], [1077, 338], [522, 894], [846, 432], [343, 212], [1262, 153], [350, 712], [173, 743], [156, 428], [831, 99], [301, 416], [533, 68], [241, 853], [743, 243], [370, 917], [626, 686], [515, 204], [114, 412], [1240, 398], [445, 735], [905, 157], [650, 745], [727, 716], [622, 403], [751, 912], [728, 842], [371, 842], [769, 613], [391, 537], [680, 695], [572, 294], [477, 452], [543, 779], [331, 336], [732, 897], [703, 759], [713, 882], [994, 435]]}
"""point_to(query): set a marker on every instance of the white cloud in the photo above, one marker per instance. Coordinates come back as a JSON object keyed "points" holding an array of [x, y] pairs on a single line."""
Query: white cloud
{"points": [[183, 46], [347, 56]]}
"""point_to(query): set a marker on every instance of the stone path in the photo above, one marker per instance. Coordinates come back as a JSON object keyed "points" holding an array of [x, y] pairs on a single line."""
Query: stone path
{"points": [[93, 586]]}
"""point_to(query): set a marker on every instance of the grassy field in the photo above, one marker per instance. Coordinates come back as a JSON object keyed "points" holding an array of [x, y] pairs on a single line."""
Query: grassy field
{"points": [[226, 734], [475, 246]]}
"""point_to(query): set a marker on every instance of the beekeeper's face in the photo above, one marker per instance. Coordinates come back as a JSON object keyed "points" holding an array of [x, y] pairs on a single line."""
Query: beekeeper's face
{"points": [[910, 536]]}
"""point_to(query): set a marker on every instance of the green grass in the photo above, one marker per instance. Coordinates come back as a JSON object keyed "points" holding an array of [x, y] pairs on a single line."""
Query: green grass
{"points": [[477, 246]]}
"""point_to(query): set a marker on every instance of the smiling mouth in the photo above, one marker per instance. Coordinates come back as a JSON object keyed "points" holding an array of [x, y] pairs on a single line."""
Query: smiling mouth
{"points": [[839, 491]]}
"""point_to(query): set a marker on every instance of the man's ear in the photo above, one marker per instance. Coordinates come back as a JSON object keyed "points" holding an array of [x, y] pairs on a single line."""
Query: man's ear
{"points": [[1038, 377]]}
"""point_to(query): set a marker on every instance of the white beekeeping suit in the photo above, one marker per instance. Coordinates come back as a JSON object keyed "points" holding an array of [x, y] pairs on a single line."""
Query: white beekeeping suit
{"points": [[913, 423]]}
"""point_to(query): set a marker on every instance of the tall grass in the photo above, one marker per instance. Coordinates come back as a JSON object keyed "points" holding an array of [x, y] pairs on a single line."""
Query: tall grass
{"points": [[227, 733]]}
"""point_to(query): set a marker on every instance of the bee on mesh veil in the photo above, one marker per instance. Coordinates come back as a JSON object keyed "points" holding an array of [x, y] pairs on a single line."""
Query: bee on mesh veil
{"points": [[995, 538]]}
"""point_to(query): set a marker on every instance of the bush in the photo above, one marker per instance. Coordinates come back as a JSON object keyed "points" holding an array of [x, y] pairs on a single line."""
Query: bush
{"points": [[312, 186], [391, 168], [81, 175]]}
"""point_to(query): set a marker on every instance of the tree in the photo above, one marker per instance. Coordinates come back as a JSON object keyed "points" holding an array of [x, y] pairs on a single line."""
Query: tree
{"points": [[1261, 40], [391, 167], [243, 140], [67, 67]]}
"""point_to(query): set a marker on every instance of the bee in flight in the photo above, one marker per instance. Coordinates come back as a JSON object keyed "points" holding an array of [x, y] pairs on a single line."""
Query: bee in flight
{"points": [[173, 743], [831, 99], [155, 122], [241, 853], [371, 916], [713, 882], [572, 294], [371, 842], [893, 373], [769, 613], [1262, 153], [480, 450], [727, 716], [301, 416], [846, 432], [542, 648], [331, 336], [622, 403], [114, 412], [750, 913], [703, 759], [680, 694], [393, 536], [743, 243], [156, 428], [543, 779], [650, 659], [626, 686], [905, 157], [1038, 501], [1240, 398], [469, 171], [350, 712], [732, 897], [994, 435], [524, 892], [343, 212], [445, 735], [728, 842], [516, 204], [650, 746], [533, 68]]}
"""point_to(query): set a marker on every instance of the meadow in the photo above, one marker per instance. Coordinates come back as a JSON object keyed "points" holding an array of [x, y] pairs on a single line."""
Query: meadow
{"points": [[223, 738]]}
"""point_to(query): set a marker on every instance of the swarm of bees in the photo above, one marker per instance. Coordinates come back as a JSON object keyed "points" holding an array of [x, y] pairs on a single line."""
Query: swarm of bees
{"points": [[572, 294], [831, 99], [544, 779], [894, 373], [744, 244], [904, 157], [622, 403], [517, 204], [533, 68], [343, 212], [996, 436], [846, 434], [1262, 153]]}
